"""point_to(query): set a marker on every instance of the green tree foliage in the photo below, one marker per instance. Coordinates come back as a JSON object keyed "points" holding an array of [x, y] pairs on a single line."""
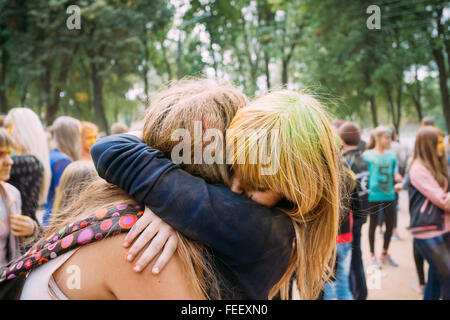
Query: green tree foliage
{"points": [[393, 75]]}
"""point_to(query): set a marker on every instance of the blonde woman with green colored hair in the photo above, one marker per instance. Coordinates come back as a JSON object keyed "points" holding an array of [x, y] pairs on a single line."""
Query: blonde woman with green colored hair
{"points": [[301, 180]]}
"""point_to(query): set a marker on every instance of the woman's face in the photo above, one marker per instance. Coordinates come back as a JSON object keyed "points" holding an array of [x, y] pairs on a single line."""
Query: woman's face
{"points": [[89, 136], [385, 141], [5, 163], [264, 197]]}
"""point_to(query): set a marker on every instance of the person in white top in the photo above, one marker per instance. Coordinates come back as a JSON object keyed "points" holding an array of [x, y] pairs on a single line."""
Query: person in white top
{"points": [[14, 229]]}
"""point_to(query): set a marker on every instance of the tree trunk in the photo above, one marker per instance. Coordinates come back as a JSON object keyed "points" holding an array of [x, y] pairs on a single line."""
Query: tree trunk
{"points": [[440, 61], [418, 106], [417, 98], [166, 62], [266, 65], [390, 100], [3, 98], [23, 96], [399, 107], [51, 111], [372, 100], [284, 71], [99, 111]]}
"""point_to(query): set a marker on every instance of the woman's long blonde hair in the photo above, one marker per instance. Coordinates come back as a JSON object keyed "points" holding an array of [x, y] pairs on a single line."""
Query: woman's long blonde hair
{"points": [[306, 171], [29, 136], [66, 136], [173, 108]]}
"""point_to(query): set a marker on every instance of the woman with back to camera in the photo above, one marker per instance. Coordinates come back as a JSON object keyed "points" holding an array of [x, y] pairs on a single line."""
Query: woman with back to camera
{"points": [[428, 187], [65, 148]]}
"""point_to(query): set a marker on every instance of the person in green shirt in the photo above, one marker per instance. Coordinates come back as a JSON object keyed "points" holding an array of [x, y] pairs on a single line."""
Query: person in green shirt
{"points": [[382, 174]]}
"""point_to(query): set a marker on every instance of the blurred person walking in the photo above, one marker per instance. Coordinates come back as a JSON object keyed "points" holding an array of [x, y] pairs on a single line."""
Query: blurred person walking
{"points": [[65, 148], [429, 203], [89, 134], [382, 168], [350, 134]]}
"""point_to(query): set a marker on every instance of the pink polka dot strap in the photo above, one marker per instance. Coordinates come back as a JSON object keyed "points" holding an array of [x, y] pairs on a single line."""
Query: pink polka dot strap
{"points": [[106, 222]]}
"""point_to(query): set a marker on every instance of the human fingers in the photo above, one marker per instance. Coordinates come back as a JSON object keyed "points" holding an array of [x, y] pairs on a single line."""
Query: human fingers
{"points": [[138, 227], [144, 238], [167, 253], [155, 247]]}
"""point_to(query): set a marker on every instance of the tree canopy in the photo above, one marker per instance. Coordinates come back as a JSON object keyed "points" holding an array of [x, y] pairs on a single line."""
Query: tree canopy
{"points": [[125, 50]]}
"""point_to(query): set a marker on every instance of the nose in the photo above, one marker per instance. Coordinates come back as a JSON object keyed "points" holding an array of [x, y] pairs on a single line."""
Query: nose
{"points": [[9, 160], [236, 187]]}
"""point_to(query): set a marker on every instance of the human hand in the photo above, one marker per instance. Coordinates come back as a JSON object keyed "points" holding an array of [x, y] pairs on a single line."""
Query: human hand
{"points": [[447, 200], [160, 237], [21, 226], [398, 187]]}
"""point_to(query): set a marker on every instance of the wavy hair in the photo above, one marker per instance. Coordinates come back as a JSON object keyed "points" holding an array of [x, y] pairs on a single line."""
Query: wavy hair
{"points": [[300, 139], [425, 150], [66, 135], [177, 106], [30, 138]]}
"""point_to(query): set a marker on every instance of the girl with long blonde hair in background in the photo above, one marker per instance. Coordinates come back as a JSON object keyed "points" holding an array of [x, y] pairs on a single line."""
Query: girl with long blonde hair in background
{"points": [[30, 173]]}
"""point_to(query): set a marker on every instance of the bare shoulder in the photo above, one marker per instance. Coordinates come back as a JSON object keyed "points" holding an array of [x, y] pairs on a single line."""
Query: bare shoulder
{"points": [[105, 274]]}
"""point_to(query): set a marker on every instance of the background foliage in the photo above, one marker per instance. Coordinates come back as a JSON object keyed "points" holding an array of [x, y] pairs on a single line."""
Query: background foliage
{"points": [[126, 49]]}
